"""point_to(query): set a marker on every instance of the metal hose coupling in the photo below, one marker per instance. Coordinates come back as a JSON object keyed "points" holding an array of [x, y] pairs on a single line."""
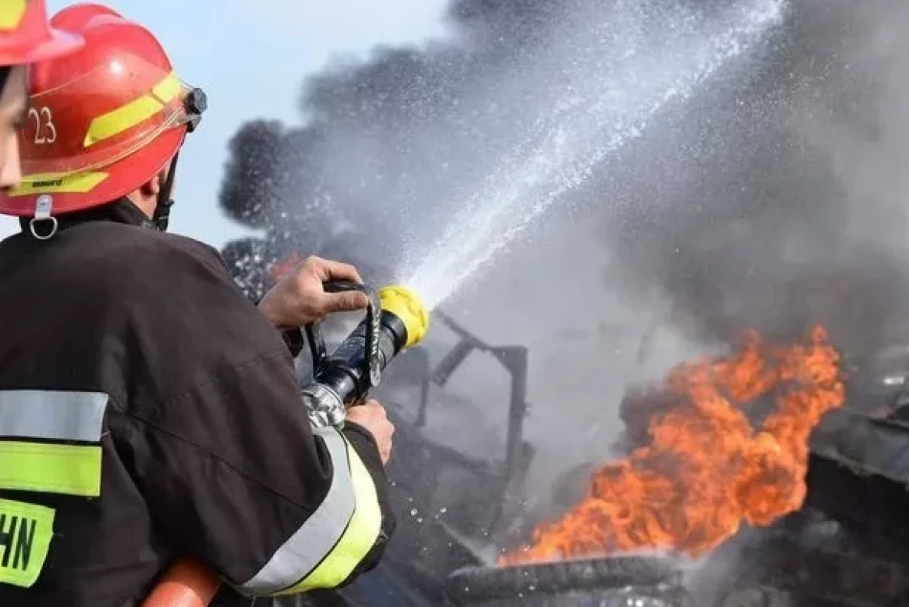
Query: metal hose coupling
{"points": [[395, 319]]}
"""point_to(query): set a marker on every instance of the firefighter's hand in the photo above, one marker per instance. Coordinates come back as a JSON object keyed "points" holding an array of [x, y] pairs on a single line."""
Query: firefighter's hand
{"points": [[299, 299], [371, 415]]}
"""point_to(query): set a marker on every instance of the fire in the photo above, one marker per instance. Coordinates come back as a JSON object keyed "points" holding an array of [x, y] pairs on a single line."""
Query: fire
{"points": [[705, 469]]}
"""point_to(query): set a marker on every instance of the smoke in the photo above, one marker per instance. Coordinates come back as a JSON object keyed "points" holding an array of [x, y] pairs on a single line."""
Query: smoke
{"points": [[774, 199], [789, 206], [389, 143], [392, 147]]}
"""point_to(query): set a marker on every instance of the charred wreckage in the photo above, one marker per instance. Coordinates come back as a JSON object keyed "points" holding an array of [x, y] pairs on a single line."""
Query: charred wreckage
{"points": [[774, 509], [840, 541]]}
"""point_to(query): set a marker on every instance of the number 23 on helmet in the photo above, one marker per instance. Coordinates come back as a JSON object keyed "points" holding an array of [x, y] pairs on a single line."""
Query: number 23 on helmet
{"points": [[101, 121]]}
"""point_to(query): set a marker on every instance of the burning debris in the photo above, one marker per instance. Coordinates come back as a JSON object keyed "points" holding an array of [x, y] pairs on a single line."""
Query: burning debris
{"points": [[707, 467], [772, 205]]}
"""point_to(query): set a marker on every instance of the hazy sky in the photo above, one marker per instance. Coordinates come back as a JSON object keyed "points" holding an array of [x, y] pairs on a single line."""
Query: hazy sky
{"points": [[250, 57]]}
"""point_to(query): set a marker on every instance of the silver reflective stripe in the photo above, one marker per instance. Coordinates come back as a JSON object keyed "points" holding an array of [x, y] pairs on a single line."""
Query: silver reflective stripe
{"points": [[306, 548], [52, 415]]}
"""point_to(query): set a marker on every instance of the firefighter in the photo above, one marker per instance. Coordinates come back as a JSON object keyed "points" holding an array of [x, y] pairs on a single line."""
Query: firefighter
{"points": [[25, 37], [148, 410]]}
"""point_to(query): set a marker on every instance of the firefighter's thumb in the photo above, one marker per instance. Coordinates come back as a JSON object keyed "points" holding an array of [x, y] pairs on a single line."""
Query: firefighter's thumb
{"points": [[345, 302]]}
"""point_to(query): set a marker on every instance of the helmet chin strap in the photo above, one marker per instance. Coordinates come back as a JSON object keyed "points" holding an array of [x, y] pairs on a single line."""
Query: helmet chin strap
{"points": [[161, 215]]}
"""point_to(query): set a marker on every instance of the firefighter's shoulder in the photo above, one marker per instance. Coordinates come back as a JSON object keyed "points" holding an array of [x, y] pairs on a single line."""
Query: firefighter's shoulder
{"points": [[120, 253], [174, 312], [164, 253], [147, 270]]}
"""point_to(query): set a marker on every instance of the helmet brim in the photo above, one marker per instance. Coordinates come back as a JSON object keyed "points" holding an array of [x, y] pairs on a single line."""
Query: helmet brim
{"points": [[57, 43]]}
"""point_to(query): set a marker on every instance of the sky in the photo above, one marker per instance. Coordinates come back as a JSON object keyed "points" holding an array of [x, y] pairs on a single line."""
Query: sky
{"points": [[250, 57]]}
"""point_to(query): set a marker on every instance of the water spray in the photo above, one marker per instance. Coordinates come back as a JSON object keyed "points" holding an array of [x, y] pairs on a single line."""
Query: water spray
{"points": [[395, 319], [559, 155], [584, 131]]}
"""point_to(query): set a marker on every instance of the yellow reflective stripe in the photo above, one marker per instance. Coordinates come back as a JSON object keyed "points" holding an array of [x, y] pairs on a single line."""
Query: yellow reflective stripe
{"points": [[133, 113], [58, 183], [110, 124], [358, 539], [27, 530], [168, 89], [51, 468], [334, 537], [11, 13]]}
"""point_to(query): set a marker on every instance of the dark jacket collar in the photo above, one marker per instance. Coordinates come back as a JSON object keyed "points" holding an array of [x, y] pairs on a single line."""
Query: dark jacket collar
{"points": [[119, 211]]}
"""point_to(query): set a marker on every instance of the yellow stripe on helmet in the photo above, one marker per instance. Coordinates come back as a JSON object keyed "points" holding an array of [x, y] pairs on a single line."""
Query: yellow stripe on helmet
{"points": [[168, 89], [133, 113], [11, 13], [58, 183]]}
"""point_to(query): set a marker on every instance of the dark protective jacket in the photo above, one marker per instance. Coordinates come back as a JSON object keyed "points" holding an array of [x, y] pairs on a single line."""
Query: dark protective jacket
{"points": [[149, 411]]}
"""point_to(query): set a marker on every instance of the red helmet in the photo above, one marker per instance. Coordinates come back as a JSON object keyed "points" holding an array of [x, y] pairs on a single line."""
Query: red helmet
{"points": [[26, 37], [103, 120]]}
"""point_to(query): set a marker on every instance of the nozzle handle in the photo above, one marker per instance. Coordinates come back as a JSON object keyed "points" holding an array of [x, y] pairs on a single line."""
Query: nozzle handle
{"points": [[373, 311]]}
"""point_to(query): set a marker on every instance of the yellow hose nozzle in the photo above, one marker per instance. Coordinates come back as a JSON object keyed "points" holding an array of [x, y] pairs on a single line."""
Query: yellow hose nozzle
{"points": [[410, 310]]}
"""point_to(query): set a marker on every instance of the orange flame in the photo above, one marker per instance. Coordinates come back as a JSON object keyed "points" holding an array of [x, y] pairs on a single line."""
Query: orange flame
{"points": [[705, 469]]}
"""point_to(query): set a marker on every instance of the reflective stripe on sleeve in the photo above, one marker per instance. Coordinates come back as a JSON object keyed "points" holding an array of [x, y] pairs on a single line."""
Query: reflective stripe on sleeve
{"points": [[358, 539], [324, 551], [51, 463]]}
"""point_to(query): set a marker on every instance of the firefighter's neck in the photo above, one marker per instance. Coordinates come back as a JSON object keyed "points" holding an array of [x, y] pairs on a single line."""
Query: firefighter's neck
{"points": [[146, 197]]}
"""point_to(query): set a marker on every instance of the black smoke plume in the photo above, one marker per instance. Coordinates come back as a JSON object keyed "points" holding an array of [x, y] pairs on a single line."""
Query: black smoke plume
{"points": [[774, 201], [379, 135]]}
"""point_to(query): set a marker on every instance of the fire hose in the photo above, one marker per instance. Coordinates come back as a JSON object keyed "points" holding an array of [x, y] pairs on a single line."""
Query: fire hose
{"points": [[395, 319]]}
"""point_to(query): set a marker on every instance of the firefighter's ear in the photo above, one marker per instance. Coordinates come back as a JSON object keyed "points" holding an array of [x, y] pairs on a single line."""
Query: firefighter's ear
{"points": [[146, 197], [153, 186]]}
